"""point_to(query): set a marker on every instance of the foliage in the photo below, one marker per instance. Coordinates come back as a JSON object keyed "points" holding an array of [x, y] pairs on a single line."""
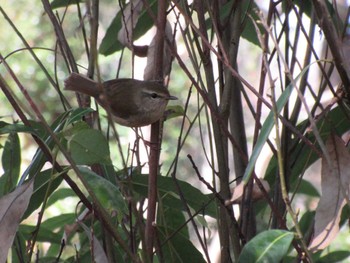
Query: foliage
{"points": [[256, 81]]}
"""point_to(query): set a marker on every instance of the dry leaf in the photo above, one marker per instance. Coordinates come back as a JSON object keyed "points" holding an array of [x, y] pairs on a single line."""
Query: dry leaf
{"points": [[167, 55], [345, 47], [12, 208], [237, 192], [130, 17], [335, 176], [71, 229], [98, 252]]}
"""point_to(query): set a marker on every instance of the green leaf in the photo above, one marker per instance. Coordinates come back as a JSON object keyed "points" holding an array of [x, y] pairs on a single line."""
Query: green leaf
{"points": [[110, 43], [171, 218], [268, 246], [19, 252], [59, 222], [78, 114], [11, 163], [17, 127], [51, 230], [44, 234], [268, 125], [336, 256], [174, 111], [345, 215], [305, 187], [107, 193], [41, 183], [249, 8], [307, 8], [303, 156], [169, 195], [60, 194], [265, 132], [178, 248], [63, 3], [89, 147], [73, 129], [39, 158], [306, 221], [108, 172]]}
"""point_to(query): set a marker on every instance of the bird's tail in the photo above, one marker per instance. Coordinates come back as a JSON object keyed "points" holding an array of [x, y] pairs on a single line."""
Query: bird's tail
{"points": [[79, 83]]}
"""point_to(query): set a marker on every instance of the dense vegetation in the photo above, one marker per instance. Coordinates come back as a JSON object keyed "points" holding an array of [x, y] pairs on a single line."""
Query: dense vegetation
{"points": [[249, 165]]}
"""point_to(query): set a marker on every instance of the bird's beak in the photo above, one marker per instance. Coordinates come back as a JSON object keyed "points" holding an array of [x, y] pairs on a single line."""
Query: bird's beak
{"points": [[171, 98]]}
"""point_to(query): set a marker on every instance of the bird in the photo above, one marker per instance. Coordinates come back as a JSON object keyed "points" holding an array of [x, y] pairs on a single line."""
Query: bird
{"points": [[132, 103]]}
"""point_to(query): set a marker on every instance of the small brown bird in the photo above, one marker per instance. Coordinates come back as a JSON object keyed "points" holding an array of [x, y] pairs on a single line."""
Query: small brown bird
{"points": [[133, 103]]}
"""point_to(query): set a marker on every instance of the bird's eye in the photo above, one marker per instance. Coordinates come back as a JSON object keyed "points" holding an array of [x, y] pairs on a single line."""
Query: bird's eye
{"points": [[154, 95]]}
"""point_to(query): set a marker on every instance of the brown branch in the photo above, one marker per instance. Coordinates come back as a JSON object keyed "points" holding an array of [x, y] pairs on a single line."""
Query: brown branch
{"points": [[60, 35], [155, 136]]}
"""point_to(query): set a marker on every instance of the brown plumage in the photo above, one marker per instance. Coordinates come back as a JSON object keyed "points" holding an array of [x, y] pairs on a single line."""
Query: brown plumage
{"points": [[133, 103]]}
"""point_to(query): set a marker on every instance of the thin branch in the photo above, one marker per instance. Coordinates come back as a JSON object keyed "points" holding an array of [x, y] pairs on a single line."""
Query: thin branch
{"points": [[156, 134], [333, 40]]}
